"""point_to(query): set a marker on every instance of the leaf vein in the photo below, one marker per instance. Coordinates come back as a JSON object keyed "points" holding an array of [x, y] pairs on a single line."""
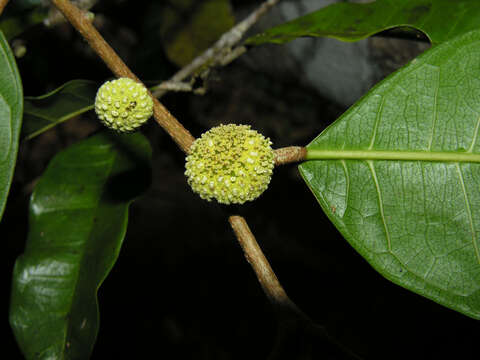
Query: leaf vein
{"points": [[347, 184], [475, 134], [468, 209], [434, 116], [380, 204], [68, 324], [377, 121]]}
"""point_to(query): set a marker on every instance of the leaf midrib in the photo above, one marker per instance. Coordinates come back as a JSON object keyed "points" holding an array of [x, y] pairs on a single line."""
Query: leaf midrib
{"points": [[319, 154], [68, 324]]}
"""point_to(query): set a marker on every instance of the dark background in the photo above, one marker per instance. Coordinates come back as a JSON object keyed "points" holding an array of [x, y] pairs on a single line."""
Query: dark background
{"points": [[181, 288]]}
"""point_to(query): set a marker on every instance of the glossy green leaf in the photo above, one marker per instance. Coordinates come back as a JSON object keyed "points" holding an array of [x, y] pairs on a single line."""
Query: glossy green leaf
{"points": [[440, 20], [11, 107], [69, 100], [399, 175], [188, 27], [78, 219]]}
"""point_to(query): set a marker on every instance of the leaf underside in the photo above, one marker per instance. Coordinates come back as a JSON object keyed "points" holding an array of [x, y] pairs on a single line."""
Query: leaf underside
{"points": [[78, 219], [11, 105], [417, 222], [439, 20]]}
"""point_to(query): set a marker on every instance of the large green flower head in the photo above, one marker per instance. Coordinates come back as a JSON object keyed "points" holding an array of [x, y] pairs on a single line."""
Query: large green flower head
{"points": [[231, 163], [123, 104]]}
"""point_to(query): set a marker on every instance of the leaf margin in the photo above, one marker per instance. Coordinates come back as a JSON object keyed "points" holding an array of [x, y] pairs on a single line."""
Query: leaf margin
{"points": [[331, 213], [34, 243], [15, 128]]}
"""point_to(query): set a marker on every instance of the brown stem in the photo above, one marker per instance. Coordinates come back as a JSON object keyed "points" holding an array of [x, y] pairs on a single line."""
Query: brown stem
{"points": [[55, 17], [163, 117], [3, 3], [290, 154], [265, 275], [297, 334]]}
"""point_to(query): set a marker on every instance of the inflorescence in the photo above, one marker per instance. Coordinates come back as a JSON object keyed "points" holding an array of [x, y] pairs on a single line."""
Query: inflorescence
{"points": [[231, 163], [123, 104]]}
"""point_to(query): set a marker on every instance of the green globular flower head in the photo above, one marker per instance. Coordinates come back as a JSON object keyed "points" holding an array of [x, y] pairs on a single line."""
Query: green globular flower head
{"points": [[123, 104], [230, 163]]}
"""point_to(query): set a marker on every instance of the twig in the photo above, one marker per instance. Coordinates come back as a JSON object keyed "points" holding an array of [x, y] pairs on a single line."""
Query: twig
{"points": [[265, 275], [55, 17], [297, 333], [175, 86], [289, 154], [3, 3], [232, 55], [222, 48], [163, 117]]}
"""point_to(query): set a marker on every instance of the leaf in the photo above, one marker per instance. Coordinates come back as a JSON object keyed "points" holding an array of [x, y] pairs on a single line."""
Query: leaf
{"points": [[78, 219], [11, 106], [399, 175], [187, 28], [69, 100], [440, 20]]}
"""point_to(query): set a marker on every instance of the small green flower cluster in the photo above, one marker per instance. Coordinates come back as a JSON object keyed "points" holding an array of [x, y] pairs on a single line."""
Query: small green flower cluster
{"points": [[231, 163], [123, 104]]}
